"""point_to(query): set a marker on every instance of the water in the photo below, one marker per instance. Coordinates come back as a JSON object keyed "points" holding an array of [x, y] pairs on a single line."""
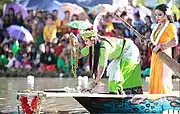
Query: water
{"points": [[10, 86]]}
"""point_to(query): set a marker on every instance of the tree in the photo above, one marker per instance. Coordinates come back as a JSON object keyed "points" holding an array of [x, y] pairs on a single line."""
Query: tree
{"points": [[2, 2]]}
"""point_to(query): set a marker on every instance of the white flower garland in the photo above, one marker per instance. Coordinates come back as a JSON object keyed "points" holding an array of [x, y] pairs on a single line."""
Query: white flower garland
{"points": [[168, 11]]}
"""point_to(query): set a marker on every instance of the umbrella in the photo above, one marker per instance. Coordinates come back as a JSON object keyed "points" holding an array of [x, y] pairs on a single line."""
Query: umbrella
{"points": [[75, 9], [20, 33], [101, 8], [3, 59], [79, 24], [17, 8], [56, 5], [143, 11]]}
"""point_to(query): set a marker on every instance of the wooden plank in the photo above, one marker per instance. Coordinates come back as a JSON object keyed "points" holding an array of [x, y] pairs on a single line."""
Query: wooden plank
{"points": [[170, 62], [105, 95], [61, 95]]}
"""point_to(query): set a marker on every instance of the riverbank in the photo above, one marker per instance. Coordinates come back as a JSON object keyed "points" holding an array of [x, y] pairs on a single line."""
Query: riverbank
{"points": [[22, 72]]}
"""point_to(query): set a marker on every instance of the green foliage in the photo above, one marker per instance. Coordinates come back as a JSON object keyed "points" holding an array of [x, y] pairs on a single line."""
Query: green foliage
{"points": [[140, 3], [2, 2]]}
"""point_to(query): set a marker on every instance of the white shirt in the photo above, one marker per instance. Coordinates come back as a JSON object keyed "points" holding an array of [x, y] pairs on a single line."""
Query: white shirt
{"points": [[11, 62]]}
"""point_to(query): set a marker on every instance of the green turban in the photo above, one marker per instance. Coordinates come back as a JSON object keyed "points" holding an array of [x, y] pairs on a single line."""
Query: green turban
{"points": [[87, 34]]}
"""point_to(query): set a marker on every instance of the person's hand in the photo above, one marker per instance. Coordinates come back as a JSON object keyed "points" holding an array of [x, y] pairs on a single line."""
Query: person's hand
{"points": [[156, 48], [163, 46], [92, 86], [159, 47]]}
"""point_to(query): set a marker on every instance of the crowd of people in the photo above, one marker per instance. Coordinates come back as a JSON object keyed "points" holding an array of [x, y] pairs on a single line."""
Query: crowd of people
{"points": [[51, 49]]}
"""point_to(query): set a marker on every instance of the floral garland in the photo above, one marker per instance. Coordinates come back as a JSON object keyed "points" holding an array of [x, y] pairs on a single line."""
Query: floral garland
{"points": [[29, 109], [74, 54]]}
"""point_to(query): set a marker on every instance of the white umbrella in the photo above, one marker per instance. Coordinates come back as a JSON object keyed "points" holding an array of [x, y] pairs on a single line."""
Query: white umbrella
{"points": [[143, 11], [20, 33]]}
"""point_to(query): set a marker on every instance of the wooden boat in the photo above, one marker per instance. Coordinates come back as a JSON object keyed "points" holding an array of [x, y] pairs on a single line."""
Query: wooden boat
{"points": [[108, 103], [130, 104]]}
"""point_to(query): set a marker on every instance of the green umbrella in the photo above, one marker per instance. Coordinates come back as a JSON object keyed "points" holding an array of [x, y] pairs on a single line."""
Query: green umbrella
{"points": [[79, 24], [3, 59], [16, 47]]}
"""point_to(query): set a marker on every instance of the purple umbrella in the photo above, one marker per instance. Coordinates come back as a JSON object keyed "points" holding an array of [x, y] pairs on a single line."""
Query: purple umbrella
{"points": [[17, 8], [56, 5], [20, 33]]}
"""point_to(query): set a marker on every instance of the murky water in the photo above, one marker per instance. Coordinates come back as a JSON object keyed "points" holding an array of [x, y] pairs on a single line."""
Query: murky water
{"points": [[10, 86]]}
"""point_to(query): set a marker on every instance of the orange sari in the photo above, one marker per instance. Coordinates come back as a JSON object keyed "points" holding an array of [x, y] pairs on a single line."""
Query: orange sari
{"points": [[161, 74]]}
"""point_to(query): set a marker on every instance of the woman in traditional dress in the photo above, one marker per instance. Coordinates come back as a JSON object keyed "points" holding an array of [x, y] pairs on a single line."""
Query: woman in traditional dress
{"points": [[124, 69], [164, 37]]}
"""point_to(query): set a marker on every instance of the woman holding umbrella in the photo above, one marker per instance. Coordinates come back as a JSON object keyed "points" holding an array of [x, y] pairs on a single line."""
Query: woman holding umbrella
{"points": [[123, 71]]}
